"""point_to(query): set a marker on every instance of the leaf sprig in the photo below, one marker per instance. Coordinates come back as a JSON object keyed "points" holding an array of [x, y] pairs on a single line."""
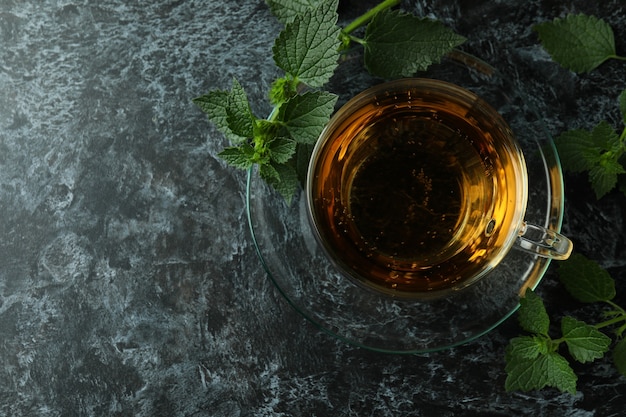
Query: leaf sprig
{"points": [[308, 49], [599, 152], [534, 361], [581, 43]]}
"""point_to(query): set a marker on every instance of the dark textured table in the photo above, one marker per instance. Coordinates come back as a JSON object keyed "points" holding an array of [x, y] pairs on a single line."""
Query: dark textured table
{"points": [[128, 281]]}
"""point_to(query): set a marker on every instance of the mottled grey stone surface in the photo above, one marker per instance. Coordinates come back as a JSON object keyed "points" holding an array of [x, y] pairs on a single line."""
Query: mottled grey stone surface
{"points": [[128, 281]]}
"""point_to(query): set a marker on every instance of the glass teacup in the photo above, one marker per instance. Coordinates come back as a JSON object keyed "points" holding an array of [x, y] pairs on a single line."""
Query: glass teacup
{"points": [[418, 188]]}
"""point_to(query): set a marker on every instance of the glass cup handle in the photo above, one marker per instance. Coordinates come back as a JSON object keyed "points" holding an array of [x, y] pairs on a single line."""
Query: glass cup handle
{"points": [[543, 242]]}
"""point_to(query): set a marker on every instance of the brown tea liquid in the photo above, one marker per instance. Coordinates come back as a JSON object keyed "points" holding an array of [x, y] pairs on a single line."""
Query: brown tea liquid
{"points": [[417, 195]]}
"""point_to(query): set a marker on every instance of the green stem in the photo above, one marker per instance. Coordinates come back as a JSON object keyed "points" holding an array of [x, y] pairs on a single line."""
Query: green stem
{"points": [[621, 58], [367, 16], [611, 303], [356, 40], [554, 344], [614, 320], [273, 114], [621, 317]]}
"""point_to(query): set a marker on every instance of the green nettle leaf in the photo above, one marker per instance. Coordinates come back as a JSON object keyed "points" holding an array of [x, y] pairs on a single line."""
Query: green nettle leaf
{"points": [[527, 347], [214, 104], [558, 372], [603, 177], [578, 42], [604, 136], [282, 149], [269, 173], [532, 314], [585, 280], [398, 44], [307, 49], [584, 342], [577, 150], [550, 369], [287, 10], [238, 156], [619, 356], [597, 151], [302, 158], [283, 178], [238, 114], [306, 115]]}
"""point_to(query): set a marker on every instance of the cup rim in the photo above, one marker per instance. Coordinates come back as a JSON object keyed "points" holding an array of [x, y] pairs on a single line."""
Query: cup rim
{"points": [[441, 87]]}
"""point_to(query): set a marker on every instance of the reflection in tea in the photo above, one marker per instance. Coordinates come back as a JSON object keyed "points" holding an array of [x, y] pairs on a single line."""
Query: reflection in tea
{"points": [[417, 193]]}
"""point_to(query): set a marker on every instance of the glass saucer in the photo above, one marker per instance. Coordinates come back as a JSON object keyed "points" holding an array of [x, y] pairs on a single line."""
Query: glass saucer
{"points": [[310, 283]]}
